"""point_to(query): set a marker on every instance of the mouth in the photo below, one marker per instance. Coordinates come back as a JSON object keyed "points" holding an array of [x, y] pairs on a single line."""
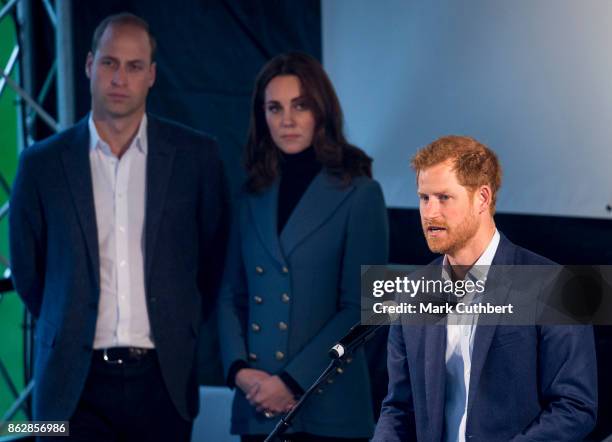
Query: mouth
{"points": [[290, 137], [435, 230], [116, 96]]}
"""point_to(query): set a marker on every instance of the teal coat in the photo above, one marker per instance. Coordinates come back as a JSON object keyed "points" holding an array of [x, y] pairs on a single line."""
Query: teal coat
{"points": [[285, 301]]}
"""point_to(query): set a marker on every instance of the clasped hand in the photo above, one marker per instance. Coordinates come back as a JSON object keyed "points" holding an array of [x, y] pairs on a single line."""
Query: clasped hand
{"points": [[267, 393]]}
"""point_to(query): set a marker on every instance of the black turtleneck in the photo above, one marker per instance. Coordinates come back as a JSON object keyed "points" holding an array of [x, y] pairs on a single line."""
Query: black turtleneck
{"points": [[297, 172]]}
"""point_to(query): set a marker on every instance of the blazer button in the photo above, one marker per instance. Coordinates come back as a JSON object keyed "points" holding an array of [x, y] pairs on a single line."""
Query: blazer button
{"points": [[252, 357], [257, 299], [285, 298], [319, 391], [285, 269], [255, 327], [282, 326], [339, 370], [259, 270], [349, 360], [279, 355]]}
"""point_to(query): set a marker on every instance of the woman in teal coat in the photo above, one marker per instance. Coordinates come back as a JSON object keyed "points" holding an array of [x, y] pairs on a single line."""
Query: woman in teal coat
{"points": [[309, 217]]}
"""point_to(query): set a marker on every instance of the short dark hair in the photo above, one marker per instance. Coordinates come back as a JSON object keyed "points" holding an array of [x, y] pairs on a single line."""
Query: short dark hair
{"points": [[124, 18], [338, 157]]}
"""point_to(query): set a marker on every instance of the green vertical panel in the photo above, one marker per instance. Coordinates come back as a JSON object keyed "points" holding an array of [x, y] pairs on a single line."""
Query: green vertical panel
{"points": [[11, 308]]}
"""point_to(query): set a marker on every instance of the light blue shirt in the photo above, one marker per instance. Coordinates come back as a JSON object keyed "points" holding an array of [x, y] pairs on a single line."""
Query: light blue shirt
{"points": [[459, 343], [119, 198]]}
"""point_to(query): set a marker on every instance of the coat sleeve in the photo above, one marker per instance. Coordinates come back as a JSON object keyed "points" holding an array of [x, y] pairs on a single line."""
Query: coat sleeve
{"points": [[27, 236], [396, 421], [366, 242], [213, 220], [568, 385], [233, 301]]}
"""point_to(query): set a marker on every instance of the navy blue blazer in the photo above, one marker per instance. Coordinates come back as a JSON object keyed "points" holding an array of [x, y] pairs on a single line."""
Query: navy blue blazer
{"points": [[55, 257], [528, 383], [286, 300]]}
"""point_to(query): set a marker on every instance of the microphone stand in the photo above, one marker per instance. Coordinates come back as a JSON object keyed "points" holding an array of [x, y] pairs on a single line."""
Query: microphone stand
{"points": [[285, 421], [336, 363]]}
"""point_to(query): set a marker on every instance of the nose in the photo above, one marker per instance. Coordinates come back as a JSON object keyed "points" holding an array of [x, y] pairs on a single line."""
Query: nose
{"points": [[119, 77], [287, 118], [430, 209]]}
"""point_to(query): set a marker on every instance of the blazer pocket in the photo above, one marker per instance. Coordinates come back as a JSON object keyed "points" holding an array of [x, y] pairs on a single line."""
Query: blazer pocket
{"points": [[45, 333], [507, 338]]}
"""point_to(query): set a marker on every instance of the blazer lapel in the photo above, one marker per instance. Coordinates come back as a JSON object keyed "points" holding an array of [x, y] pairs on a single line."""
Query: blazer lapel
{"points": [[75, 159], [263, 209], [318, 203], [434, 337], [497, 296], [160, 160]]}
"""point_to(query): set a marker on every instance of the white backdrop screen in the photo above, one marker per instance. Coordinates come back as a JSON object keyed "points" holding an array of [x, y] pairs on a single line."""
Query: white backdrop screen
{"points": [[531, 79]]}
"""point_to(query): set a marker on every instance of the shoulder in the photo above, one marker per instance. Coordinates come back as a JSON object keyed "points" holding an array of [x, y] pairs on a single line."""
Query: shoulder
{"points": [[43, 151], [525, 256], [181, 135], [366, 190], [510, 253]]}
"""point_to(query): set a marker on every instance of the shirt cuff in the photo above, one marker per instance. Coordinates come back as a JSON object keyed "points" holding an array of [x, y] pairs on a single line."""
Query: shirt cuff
{"points": [[236, 366], [291, 383]]}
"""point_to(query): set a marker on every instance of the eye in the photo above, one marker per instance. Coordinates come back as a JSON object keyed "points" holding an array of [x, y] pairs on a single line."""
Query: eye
{"points": [[444, 197], [107, 62], [136, 67], [301, 106], [424, 197], [273, 108]]}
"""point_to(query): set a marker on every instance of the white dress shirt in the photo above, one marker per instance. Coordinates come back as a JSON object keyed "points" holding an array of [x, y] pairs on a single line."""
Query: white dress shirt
{"points": [[459, 342], [119, 187]]}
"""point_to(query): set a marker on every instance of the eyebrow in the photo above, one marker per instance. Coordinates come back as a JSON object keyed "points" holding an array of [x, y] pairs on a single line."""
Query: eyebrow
{"points": [[444, 192], [115, 59], [301, 97]]}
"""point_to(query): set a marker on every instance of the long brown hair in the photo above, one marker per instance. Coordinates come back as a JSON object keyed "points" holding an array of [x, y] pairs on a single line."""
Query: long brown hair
{"points": [[338, 157]]}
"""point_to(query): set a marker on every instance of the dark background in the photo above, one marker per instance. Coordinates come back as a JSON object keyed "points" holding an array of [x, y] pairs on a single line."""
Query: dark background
{"points": [[209, 53]]}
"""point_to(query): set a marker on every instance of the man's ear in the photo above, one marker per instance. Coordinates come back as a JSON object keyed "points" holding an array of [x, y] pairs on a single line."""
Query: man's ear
{"points": [[152, 74], [484, 198], [88, 64]]}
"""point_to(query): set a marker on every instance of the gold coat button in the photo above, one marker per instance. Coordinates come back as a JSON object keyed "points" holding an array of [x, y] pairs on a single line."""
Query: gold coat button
{"points": [[349, 360], [259, 270], [285, 298], [252, 357], [339, 370], [255, 327], [279, 355], [319, 391], [285, 269], [257, 299], [282, 326]]}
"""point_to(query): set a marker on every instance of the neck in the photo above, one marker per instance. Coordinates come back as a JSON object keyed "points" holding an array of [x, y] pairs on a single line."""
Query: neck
{"points": [[118, 133], [466, 256]]}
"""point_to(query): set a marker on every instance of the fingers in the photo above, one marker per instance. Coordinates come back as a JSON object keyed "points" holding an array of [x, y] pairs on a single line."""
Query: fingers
{"points": [[252, 392]]}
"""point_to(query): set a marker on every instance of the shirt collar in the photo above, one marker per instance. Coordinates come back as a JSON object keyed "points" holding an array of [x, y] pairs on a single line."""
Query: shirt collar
{"points": [[140, 140], [480, 269]]}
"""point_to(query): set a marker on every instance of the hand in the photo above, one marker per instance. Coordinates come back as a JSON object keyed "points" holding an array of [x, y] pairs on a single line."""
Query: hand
{"points": [[248, 379], [272, 396]]}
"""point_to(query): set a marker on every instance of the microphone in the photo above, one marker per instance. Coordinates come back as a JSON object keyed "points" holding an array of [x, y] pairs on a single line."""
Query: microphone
{"points": [[359, 333]]}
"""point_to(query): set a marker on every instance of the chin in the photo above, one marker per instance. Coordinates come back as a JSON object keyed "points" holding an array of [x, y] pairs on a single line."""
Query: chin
{"points": [[291, 149]]}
